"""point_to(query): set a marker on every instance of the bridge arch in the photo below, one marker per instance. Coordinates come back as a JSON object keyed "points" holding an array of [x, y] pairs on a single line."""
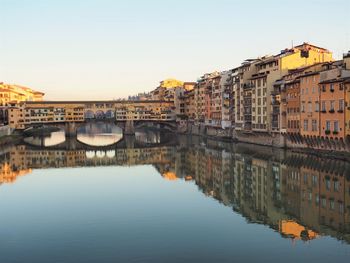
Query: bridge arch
{"points": [[110, 153], [109, 114], [90, 154], [100, 154], [99, 115], [89, 114]]}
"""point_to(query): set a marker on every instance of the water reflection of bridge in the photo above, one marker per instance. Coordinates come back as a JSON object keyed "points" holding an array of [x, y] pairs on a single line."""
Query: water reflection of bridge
{"points": [[127, 141], [297, 195]]}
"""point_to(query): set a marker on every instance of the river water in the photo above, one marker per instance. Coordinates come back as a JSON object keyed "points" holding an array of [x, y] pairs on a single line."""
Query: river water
{"points": [[161, 198]]}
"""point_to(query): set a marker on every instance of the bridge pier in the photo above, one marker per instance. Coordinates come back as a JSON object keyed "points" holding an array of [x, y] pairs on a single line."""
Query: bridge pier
{"points": [[129, 128], [70, 129], [129, 141]]}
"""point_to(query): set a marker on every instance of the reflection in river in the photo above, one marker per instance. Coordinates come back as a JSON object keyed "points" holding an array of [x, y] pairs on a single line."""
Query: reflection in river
{"points": [[54, 138], [148, 136], [301, 197], [99, 134]]}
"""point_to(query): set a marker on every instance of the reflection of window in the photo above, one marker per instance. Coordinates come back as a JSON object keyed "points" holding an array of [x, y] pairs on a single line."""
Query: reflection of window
{"points": [[323, 202], [310, 196], [336, 186], [331, 204], [341, 207], [328, 185]]}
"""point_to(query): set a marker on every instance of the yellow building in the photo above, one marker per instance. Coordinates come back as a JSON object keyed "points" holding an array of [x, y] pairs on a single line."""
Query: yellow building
{"points": [[294, 230], [171, 83], [15, 93]]}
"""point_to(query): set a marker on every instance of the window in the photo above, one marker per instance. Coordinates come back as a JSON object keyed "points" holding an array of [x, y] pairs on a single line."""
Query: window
{"points": [[332, 87], [328, 125], [328, 184], [332, 105], [317, 106], [323, 88], [341, 105], [314, 125], [336, 126], [306, 124], [323, 106], [303, 107], [310, 107]]}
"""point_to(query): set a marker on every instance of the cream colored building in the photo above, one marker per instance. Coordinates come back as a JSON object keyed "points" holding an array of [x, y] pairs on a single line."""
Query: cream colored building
{"points": [[271, 68]]}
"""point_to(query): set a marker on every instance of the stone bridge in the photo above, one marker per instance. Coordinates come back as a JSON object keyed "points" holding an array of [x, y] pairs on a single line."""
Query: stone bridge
{"points": [[128, 127]]}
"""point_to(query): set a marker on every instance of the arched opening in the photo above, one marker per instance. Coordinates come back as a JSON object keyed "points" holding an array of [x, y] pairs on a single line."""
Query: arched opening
{"points": [[89, 114], [109, 114], [99, 115]]}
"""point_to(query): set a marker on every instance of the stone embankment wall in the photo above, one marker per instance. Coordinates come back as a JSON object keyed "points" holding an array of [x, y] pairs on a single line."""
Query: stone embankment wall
{"points": [[318, 143], [292, 141]]}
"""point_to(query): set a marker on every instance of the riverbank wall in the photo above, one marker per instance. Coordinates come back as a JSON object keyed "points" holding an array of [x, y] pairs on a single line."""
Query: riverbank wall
{"points": [[8, 137], [278, 140], [5, 131]]}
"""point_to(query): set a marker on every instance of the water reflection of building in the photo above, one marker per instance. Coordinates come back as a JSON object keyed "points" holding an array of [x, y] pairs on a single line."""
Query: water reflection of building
{"points": [[302, 197]]}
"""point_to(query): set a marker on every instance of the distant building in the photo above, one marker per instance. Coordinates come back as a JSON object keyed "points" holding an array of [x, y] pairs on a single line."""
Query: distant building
{"points": [[15, 93]]}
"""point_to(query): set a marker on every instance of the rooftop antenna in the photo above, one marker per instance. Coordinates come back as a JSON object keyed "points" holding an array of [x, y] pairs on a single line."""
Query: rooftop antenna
{"points": [[292, 44]]}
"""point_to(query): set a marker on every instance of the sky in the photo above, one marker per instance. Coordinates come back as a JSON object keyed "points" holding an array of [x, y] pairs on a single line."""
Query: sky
{"points": [[109, 49]]}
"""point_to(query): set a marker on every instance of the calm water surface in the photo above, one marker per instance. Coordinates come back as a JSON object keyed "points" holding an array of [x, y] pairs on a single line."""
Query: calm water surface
{"points": [[189, 201]]}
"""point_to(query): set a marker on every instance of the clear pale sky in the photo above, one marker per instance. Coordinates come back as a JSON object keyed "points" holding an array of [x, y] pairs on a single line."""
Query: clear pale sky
{"points": [[107, 49]]}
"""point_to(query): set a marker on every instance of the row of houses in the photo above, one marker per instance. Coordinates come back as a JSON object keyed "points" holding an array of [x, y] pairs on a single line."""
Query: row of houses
{"points": [[25, 114], [301, 90]]}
